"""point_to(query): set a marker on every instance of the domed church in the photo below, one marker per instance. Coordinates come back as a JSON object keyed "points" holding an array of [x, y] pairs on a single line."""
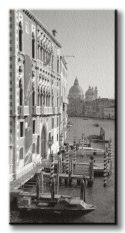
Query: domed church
{"points": [[76, 99], [76, 92]]}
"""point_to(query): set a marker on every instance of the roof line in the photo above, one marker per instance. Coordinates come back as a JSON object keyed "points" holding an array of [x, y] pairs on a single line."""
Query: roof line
{"points": [[31, 15]]}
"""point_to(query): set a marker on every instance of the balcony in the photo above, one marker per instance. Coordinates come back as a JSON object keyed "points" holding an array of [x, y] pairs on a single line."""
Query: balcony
{"points": [[26, 110], [36, 110], [54, 110], [23, 110], [46, 110]]}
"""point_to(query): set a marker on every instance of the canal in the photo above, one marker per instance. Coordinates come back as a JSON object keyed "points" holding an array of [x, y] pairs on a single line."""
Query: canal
{"points": [[102, 197]]}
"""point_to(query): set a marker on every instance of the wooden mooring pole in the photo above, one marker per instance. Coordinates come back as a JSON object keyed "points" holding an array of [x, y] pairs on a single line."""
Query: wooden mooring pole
{"points": [[110, 154], [105, 167], [42, 182], [91, 171], [74, 155], [58, 171], [37, 185], [52, 177], [67, 163], [82, 190]]}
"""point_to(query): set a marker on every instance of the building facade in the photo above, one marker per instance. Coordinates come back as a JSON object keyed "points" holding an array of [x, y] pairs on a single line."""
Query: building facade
{"points": [[64, 100], [36, 104], [109, 112]]}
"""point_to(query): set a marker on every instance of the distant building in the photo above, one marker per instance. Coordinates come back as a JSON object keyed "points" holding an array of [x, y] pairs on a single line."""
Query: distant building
{"points": [[109, 112], [91, 105], [75, 99]]}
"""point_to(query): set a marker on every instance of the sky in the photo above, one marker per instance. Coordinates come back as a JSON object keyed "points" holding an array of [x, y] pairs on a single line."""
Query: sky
{"points": [[89, 36]]}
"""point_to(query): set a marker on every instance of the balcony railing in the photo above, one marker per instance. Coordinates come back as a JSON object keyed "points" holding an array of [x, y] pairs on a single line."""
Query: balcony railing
{"points": [[54, 110], [46, 110], [23, 110], [59, 109]]}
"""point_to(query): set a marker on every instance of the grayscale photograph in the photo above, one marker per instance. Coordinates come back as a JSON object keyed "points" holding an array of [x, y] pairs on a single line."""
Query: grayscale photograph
{"points": [[62, 116]]}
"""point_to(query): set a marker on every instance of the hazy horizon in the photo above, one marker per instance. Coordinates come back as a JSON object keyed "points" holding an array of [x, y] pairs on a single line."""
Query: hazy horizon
{"points": [[89, 36]]}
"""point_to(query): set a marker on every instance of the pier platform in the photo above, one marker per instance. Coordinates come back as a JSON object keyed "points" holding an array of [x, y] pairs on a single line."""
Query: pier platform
{"points": [[15, 184]]}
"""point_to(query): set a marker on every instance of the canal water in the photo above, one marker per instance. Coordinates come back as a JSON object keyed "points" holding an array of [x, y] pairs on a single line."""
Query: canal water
{"points": [[102, 197]]}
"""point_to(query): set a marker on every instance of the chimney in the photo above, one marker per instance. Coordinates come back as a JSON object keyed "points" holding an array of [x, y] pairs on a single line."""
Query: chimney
{"points": [[54, 32]]}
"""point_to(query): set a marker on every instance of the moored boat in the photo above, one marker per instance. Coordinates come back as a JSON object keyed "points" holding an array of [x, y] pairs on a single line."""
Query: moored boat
{"points": [[91, 150], [61, 206]]}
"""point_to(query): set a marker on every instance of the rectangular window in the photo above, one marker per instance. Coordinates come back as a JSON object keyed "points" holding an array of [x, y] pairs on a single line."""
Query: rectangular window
{"points": [[21, 129], [33, 126]]}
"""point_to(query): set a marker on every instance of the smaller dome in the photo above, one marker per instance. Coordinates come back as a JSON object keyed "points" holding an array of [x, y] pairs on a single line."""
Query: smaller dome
{"points": [[90, 91]]}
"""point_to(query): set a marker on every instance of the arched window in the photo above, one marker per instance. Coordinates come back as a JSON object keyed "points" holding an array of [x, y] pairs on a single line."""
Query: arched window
{"points": [[58, 65], [33, 45], [38, 99], [21, 153], [46, 99], [41, 97], [38, 50], [49, 99], [38, 144], [33, 148], [20, 93], [41, 53], [33, 97], [20, 36], [52, 101], [44, 54]]}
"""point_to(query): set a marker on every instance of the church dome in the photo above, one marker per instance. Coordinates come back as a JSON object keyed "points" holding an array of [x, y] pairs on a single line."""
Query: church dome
{"points": [[90, 91], [76, 91]]}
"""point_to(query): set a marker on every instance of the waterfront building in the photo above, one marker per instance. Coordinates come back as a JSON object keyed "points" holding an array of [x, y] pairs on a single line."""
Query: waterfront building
{"points": [[37, 99], [109, 112]]}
